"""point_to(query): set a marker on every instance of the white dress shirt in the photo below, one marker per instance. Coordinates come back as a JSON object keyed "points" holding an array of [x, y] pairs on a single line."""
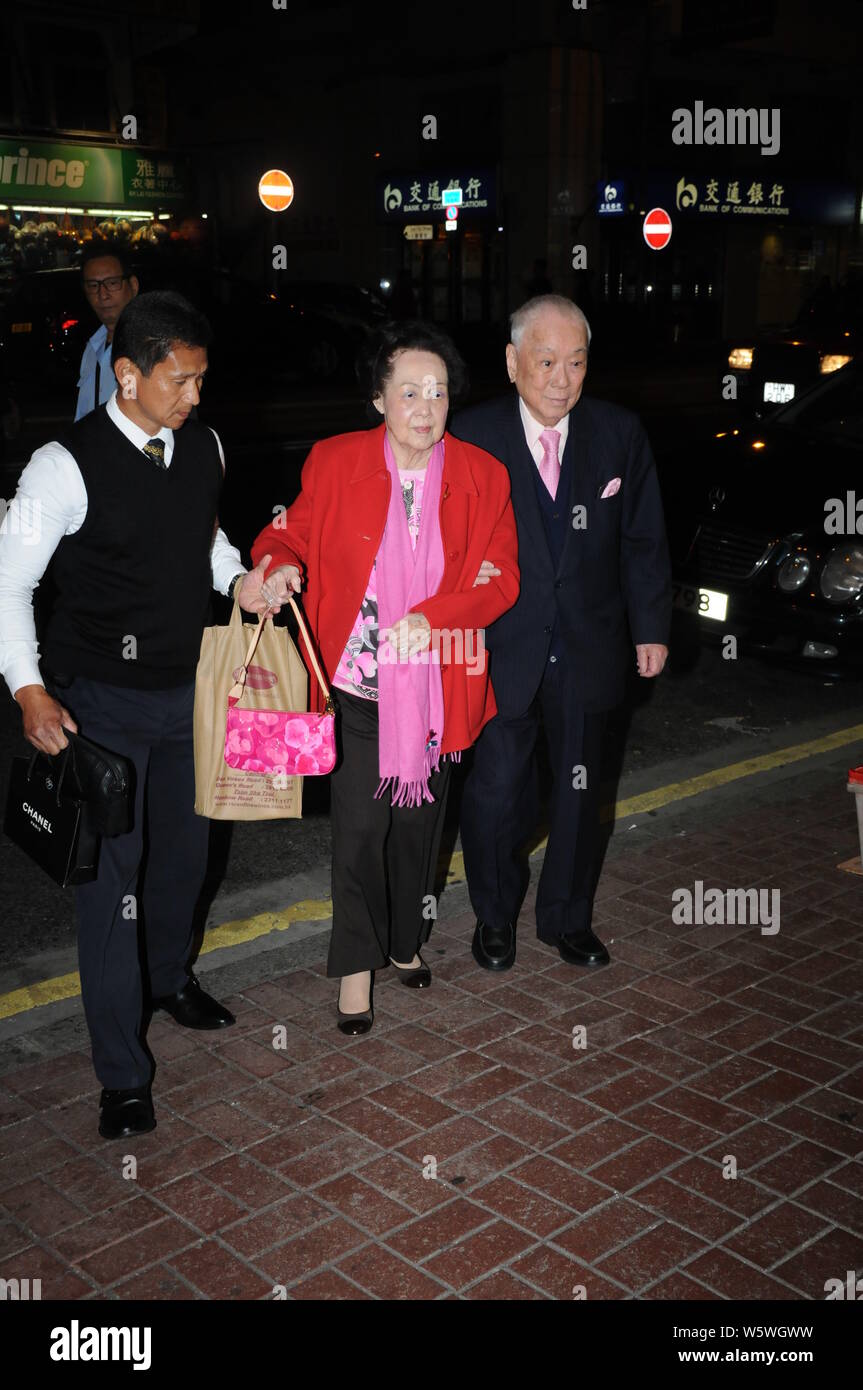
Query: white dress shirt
{"points": [[51, 502], [98, 350], [533, 429]]}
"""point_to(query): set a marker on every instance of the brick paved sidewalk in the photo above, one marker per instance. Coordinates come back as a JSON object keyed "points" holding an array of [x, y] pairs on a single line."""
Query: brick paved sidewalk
{"points": [[556, 1167]]}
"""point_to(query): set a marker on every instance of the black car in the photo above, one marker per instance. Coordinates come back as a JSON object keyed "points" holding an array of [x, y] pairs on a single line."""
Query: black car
{"points": [[44, 326], [310, 330], [776, 366], [767, 537]]}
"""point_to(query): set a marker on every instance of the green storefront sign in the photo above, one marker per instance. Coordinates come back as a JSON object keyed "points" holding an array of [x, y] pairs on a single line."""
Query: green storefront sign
{"points": [[37, 171]]}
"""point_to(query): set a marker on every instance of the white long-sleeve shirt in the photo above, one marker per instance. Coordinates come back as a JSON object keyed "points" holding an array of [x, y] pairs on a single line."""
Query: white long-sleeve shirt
{"points": [[50, 503]]}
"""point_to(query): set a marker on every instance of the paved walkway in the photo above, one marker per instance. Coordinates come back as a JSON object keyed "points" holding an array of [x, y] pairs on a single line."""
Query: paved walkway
{"points": [[466, 1148]]}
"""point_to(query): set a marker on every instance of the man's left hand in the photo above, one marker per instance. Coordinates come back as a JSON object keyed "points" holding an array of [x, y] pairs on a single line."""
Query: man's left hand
{"points": [[652, 656], [487, 571], [250, 598]]}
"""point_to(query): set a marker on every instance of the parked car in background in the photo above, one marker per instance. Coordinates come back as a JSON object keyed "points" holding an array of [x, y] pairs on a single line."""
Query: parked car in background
{"points": [[775, 367], [44, 325], [312, 329], [767, 535], [309, 331]]}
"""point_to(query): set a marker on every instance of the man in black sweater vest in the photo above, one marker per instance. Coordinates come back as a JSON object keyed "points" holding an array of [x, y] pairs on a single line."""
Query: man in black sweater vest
{"points": [[128, 500]]}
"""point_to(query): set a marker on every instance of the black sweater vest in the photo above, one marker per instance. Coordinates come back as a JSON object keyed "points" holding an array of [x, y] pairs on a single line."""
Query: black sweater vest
{"points": [[555, 511], [133, 583]]}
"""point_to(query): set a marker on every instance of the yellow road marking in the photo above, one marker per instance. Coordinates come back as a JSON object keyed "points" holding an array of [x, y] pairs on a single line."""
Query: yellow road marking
{"points": [[320, 909], [721, 776]]}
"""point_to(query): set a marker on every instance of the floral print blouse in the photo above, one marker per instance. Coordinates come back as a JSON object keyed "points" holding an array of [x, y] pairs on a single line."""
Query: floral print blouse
{"points": [[357, 670]]}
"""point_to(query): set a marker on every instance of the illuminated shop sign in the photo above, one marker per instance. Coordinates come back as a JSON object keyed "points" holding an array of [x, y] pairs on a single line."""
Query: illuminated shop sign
{"points": [[85, 175], [410, 195]]}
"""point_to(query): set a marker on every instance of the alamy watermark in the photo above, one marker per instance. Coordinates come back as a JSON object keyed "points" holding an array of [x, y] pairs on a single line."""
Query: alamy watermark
{"points": [[718, 907], [734, 126], [21, 516]]}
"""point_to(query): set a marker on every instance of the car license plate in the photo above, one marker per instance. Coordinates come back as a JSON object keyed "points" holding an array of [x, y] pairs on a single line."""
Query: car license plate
{"points": [[779, 391], [707, 603], [22, 328]]}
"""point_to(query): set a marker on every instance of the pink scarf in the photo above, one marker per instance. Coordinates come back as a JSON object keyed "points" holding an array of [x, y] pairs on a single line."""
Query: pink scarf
{"points": [[410, 692]]}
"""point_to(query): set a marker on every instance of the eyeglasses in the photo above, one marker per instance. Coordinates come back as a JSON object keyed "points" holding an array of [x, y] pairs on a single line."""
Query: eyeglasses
{"points": [[111, 282]]}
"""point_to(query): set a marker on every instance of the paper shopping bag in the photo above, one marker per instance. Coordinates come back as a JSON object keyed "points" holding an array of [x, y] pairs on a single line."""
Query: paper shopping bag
{"points": [[276, 681]]}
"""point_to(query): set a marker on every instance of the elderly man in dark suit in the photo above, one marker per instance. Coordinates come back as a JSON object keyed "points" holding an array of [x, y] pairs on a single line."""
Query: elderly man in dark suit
{"points": [[595, 581]]}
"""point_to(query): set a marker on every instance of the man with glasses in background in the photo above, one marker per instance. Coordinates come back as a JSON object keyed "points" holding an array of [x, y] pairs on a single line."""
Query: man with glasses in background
{"points": [[106, 274]]}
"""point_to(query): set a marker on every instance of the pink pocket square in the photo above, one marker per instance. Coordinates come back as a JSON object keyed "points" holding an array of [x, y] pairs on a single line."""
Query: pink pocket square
{"points": [[611, 488]]}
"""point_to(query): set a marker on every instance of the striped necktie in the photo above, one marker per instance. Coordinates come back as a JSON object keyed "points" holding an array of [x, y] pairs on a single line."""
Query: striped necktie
{"points": [[155, 450]]}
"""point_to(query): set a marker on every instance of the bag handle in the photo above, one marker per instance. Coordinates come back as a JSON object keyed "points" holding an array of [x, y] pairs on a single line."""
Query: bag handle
{"points": [[236, 691], [67, 755]]}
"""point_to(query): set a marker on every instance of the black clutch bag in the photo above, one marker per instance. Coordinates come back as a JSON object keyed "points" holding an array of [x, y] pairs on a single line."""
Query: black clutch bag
{"points": [[103, 781]]}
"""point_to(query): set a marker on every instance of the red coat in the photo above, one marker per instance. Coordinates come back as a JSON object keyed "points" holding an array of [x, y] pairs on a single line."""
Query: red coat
{"points": [[334, 530]]}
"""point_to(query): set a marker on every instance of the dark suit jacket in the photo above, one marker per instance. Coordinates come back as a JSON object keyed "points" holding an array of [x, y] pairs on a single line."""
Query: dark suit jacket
{"points": [[613, 586]]}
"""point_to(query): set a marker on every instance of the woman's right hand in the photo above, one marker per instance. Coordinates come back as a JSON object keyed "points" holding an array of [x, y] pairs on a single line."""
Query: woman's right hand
{"points": [[280, 583]]}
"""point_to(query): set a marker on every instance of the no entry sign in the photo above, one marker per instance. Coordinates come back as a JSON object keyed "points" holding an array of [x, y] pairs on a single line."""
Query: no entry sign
{"points": [[657, 229], [276, 190]]}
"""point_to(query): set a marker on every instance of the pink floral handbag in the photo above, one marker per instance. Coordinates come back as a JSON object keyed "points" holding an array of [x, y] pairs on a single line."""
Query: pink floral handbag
{"points": [[276, 742]]}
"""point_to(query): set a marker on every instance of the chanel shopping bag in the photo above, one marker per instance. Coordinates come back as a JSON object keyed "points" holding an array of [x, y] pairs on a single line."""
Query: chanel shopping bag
{"points": [[51, 826]]}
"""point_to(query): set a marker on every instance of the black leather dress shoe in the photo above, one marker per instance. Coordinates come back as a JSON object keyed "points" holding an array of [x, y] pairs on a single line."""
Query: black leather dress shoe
{"points": [[494, 947], [194, 1008], [124, 1113], [584, 949]]}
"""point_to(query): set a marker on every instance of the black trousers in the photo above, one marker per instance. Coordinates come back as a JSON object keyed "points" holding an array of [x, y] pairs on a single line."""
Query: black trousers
{"points": [[500, 810], [384, 856], [126, 929]]}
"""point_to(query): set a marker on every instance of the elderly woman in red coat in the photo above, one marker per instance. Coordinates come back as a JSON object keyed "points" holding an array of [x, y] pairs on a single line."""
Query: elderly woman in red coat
{"points": [[406, 541]]}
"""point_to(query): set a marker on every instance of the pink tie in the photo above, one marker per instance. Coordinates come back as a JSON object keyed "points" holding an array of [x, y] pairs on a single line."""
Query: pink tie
{"points": [[549, 468]]}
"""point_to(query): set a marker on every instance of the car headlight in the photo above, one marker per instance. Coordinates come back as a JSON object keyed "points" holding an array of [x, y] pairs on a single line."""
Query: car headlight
{"points": [[842, 575], [793, 573], [832, 361], [741, 358]]}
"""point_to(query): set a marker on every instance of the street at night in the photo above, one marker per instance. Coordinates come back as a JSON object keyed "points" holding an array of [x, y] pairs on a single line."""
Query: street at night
{"points": [[598, 279]]}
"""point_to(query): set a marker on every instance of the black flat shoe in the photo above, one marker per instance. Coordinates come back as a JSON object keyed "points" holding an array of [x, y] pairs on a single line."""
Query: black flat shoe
{"points": [[584, 949], [414, 976], [125, 1113], [192, 1007], [494, 947]]}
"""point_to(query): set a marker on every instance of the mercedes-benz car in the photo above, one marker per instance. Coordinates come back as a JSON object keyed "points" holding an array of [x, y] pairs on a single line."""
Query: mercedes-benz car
{"points": [[774, 367], [767, 536]]}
